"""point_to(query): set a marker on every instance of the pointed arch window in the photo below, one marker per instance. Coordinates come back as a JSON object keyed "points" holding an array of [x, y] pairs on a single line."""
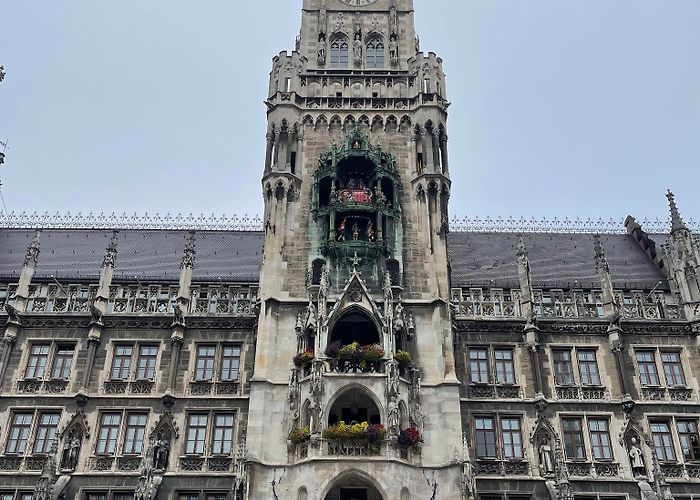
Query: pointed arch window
{"points": [[375, 53], [339, 52]]}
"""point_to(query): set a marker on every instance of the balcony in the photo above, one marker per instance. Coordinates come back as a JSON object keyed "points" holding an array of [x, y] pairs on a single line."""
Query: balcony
{"points": [[129, 387], [217, 388], [567, 304], [585, 392], [206, 464], [485, 467], [493, 391], [669, 394], [38, 386]]}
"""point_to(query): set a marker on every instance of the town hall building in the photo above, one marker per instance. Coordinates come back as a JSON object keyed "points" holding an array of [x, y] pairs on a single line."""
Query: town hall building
{"points": [[351, 344]]}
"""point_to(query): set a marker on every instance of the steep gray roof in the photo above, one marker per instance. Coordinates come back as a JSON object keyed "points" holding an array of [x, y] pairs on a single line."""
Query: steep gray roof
{"points": [[477, 259], [556, 260], [233, 256]]}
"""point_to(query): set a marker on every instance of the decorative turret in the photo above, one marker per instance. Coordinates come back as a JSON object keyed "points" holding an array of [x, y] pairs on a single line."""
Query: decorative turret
{"points": [[683, 261]]}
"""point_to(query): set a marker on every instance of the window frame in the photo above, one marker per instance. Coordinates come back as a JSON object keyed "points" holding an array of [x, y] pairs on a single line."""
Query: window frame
{"points": [[678, 365], [33, 430], [339, 52], [491, 364], [122, 430], [660, 366], [209, 438], [375, 53], [665, 445], [576, 364], [134, 361], [218, 368], [498, 432], [53, 346]]}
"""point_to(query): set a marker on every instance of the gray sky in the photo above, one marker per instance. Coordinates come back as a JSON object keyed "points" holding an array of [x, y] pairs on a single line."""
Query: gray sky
{"points": [[576, 108]]}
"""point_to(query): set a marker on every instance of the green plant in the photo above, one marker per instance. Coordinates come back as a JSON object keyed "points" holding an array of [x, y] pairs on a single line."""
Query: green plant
{"points": [[403, 358], [300, 435]]}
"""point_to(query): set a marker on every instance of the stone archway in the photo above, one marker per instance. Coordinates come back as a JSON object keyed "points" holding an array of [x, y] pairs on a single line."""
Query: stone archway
{"points": [[353, 487]]}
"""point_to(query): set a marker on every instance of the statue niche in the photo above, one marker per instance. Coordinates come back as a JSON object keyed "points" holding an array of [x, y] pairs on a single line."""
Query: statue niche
{"points": [[161, 450], [71, 450]]}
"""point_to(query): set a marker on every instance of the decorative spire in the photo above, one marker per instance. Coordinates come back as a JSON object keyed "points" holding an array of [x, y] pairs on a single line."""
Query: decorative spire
{"points": [[600, 261], [32, 255], [188, 257], [676, 220], [564, 490], [111, 252], [522, 252]]}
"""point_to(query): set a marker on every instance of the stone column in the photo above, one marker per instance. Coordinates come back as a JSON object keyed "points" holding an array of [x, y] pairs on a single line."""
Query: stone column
{"points": [[99, 307], [531, 330], [270, 143], [612, 312], [436, 151], [14, 324], [443, 151], [181, 306]]}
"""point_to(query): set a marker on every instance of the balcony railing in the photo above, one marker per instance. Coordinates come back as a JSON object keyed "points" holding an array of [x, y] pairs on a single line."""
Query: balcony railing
{"points": [[502, 467], [129, 386], [499, 391], [38, 386], [672, 394], [206, 464], [573, 304], [206, 300], [214, 387], [582, 392]]}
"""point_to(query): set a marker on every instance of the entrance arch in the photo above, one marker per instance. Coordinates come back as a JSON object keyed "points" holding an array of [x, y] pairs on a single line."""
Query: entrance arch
{"points": [[353, 485]]}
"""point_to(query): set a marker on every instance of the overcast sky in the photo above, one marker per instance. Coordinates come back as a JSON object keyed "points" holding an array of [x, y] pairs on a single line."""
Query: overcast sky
{"points": [[576, 108]]}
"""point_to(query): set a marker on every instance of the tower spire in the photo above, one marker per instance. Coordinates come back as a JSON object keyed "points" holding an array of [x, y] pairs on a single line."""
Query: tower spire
{"points": [[676, 219]]}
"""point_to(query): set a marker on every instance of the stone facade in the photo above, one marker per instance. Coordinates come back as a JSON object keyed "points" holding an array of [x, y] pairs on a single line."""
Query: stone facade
{"points": [[341, 352]]}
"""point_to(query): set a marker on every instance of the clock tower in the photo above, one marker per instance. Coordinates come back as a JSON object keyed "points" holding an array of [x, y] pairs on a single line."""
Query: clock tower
{"points": [[354, 394]]}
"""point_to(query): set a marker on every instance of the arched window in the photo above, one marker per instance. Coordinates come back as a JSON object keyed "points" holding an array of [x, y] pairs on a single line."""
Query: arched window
{"points": [[375, 53], [339, 52]]}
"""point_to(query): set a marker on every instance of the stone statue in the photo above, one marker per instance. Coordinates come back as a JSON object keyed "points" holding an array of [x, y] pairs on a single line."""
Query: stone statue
{"points": [[468, 472], [311, 320], [393, 416], [357, 49], [161, 453], [392, 378], [321, 49], [393, 50], [636, 459], [315, 417], [546, 457], [71, 452], [317, 380], [399, 324], [178, 317]]}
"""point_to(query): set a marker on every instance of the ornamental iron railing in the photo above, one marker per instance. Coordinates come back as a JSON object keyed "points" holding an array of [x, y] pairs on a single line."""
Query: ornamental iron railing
{"points": [[201, 222]]}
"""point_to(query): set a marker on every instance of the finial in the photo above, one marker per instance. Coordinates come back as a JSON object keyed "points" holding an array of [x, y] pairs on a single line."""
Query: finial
{"points": [[32, 255], [676, 220], [188, 257], [2, 73], [600, 259], [522, 252], [111, 252]]}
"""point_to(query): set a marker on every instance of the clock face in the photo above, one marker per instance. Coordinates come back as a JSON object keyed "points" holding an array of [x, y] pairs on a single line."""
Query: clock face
{"points": [[358, 3]]}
